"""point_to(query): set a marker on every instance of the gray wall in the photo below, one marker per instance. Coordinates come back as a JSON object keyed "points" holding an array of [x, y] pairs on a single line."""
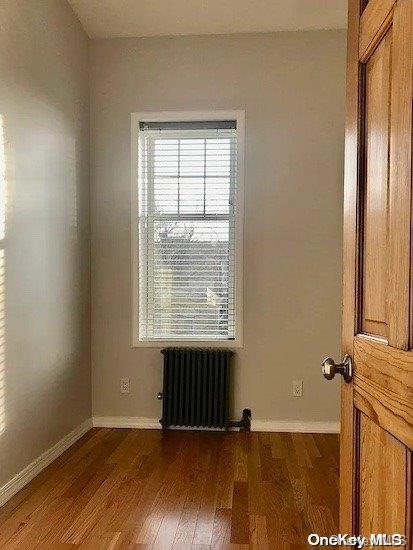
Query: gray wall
{"points": [[44, 278], [292, 88]]}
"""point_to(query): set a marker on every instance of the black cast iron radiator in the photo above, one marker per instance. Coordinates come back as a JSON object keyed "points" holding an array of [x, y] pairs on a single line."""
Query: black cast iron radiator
{"points": [[196, 387]]}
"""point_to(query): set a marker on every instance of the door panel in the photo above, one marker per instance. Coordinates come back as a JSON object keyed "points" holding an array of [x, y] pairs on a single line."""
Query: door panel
{"points": [[382, 500], [377, 141], [377, 406], [400, 193]]}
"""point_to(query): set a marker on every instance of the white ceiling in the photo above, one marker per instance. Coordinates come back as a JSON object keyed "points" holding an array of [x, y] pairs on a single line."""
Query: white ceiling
{"points": [[115, 18]]}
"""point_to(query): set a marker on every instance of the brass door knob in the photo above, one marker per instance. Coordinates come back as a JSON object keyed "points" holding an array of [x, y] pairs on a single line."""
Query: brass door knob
{"points": [[329, 368]]}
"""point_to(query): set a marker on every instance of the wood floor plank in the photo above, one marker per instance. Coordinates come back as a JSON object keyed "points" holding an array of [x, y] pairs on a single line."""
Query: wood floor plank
{"points": [[239, 518], [140, 489], [258, 533], [221, 536], [304, 458], [186, 529]]}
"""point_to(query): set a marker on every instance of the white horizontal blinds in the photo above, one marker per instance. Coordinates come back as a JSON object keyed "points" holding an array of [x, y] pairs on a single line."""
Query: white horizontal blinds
{"points": [[187, 231]]}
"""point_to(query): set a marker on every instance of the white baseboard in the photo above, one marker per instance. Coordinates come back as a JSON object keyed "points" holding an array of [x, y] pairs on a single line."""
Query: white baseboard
{"points": [[126, 422], [141, 423], [9, 489], [295, 426], [256, 425]]}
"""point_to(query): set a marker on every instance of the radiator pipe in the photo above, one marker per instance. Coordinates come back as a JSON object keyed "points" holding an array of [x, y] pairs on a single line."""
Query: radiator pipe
{"points": [[244, 424]]}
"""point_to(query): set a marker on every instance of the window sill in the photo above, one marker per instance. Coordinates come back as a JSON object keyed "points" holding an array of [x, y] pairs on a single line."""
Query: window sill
{"points": [[216, 344]]}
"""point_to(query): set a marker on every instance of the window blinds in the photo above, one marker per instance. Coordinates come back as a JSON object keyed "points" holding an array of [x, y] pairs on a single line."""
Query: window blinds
{"points": [[187, 184]]}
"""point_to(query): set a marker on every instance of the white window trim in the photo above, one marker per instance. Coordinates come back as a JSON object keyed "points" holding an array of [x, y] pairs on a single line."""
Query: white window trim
{"points": [[171, 116]]}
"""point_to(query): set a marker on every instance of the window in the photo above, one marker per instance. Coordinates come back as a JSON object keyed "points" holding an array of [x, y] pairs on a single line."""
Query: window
{"points": [[189, 229]]}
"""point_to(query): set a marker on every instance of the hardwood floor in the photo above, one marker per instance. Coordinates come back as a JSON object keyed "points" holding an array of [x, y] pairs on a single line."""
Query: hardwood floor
{"points": [[140, 489]]}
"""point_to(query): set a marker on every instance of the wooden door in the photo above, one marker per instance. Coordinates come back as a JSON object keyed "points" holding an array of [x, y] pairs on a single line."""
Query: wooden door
{"points": [[377, 406]]}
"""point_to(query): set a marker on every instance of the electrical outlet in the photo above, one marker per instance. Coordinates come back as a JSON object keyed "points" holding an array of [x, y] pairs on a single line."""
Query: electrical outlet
{"points": [[125, 385], [297, 388]]}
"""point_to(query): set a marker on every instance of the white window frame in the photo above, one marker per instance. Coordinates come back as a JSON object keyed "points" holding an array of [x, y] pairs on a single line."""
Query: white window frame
{"points": [[173, 116]]}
